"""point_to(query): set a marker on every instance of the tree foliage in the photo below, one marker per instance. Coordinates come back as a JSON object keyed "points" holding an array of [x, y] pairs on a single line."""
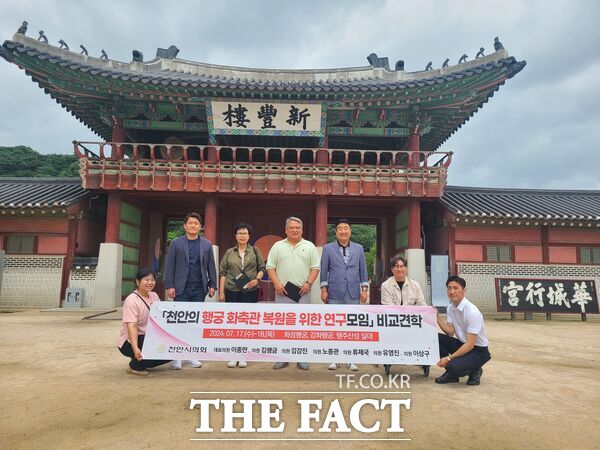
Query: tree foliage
{"points": [[23, 161]]}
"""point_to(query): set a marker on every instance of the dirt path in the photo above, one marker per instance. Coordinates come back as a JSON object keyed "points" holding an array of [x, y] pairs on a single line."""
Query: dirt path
{"points": [[63, 385]]}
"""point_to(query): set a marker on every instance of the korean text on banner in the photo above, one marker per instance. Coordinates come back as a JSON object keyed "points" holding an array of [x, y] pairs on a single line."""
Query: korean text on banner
{"points": [[284, 332]]}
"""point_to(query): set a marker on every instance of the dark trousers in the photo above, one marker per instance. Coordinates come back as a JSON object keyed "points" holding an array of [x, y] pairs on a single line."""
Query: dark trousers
{"points": [[191, 294], [241, 297], [144, 364], [465, 364]]}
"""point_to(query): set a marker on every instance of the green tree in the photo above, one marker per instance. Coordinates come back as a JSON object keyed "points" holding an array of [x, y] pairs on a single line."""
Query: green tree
{"points": [[21, 161], [370, 258]]}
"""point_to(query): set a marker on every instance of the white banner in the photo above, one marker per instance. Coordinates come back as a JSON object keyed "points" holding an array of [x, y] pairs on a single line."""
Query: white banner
{"points": [[265, 118], [372, 334]]}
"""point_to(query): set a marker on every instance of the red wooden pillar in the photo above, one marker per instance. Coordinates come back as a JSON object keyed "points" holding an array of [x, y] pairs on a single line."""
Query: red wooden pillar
{"points": [[321, 222], [414, 146], [113, 218], [118, 135], [144, 259], [414, 223], [68, 261], [545, 245], [210, 220], [452, 250]]}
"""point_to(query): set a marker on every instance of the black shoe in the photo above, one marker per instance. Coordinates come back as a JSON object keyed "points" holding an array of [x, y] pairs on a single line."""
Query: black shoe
{"points": [[447, 377], [475, 377], [425, 371]]}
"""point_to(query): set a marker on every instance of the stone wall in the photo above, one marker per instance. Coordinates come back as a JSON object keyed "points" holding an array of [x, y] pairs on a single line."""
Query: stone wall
{"points": [[84, 279], [31, 281]]}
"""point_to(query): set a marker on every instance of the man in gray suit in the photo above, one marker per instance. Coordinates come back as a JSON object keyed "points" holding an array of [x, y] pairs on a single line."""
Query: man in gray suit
{"points": [[344, 278], [190, 271]]}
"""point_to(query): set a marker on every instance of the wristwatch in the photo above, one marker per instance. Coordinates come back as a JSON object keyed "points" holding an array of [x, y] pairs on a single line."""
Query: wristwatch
{"points": [[448, 358]]}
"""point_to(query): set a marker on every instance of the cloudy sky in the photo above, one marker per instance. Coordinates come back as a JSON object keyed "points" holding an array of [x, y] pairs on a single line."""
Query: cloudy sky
{"points": [[542, 130]]}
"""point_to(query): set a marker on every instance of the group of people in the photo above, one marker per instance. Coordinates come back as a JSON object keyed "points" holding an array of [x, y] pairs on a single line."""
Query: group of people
{"points": [[293, 266]]}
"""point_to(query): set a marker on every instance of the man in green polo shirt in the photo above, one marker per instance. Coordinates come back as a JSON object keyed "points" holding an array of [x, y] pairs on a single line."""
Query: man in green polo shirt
{"points": [[294, 260]]}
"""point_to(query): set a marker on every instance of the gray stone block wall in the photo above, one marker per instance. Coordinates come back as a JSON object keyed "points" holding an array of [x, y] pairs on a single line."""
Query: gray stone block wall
{"points": [[85, 279], [31, 281], [480, 278]]}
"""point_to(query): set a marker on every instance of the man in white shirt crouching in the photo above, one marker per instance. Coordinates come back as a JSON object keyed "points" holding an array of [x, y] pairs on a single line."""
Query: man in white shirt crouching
{"points": [[466, 353]]}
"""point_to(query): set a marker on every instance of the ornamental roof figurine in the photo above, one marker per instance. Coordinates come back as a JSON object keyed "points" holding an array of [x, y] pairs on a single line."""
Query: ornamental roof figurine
{"points": [[103, 55], [172, 93], [378, 62], [429, 66], [23, 28], [169, 53], [497, 44], [63, 44], [463, 59], [83, 50], [446, 62], [43, 37], [480, 53], [138, 56]]}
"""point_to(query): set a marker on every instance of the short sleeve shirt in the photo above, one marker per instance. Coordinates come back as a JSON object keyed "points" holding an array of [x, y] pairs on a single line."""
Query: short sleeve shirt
{"points": [[466, 318], [135, 311], [293, 263]]}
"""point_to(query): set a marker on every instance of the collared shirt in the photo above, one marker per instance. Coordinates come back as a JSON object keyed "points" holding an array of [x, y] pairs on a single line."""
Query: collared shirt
{"points": [[293, 263], [232, 265], [410, 294], [345, 251], [466, 318]]}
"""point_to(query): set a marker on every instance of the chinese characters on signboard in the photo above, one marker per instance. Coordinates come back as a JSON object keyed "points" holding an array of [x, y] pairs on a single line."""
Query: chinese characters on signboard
{"points": [[243, 117], [546, 296]]}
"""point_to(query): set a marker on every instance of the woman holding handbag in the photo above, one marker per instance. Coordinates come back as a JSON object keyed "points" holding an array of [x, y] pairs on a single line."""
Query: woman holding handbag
{"points": [[240, 271], [136, 310]]}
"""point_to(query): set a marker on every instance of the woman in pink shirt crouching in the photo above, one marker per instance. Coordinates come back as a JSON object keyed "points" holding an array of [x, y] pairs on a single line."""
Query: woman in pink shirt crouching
{"points": [[136, 310]]}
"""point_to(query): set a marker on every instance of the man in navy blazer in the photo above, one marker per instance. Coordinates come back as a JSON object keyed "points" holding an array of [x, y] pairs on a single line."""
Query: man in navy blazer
{"points": [[190, 271], [190, 268], [344, 278]]}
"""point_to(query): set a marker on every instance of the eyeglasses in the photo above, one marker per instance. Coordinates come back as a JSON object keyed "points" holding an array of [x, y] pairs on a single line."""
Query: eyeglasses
{"points": [[397, 266], [242, 233]]}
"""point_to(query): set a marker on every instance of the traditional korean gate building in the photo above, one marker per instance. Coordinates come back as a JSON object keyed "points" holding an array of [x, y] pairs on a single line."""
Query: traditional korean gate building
{"points": [[255, 145]]}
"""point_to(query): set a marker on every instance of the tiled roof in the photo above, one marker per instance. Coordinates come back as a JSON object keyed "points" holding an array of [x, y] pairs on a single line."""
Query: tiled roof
{"points": [[538, 204], [40, 192], [208, 76]]}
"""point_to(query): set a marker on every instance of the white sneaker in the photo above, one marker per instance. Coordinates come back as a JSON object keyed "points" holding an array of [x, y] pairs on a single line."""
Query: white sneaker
{"points": [[232, 364], [332, 366], [353, 367], [242, 364], [176, 365], [194, 363]]}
